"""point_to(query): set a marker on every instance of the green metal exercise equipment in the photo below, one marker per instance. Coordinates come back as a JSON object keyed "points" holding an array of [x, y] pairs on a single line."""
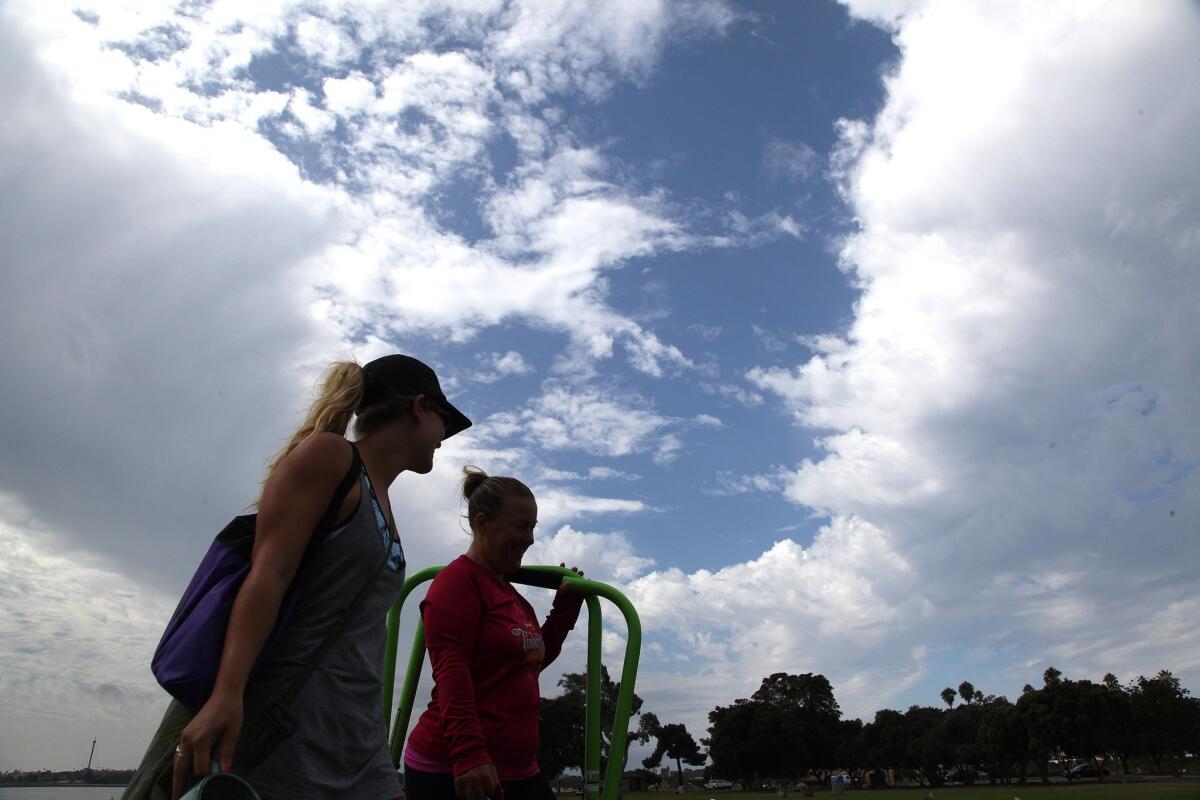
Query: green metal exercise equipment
{"points": [[547, 577]]}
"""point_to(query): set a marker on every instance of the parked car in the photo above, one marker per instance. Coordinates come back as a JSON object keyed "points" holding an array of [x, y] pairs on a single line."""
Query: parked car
{"points": [[718, 785], [955, 777], [1085, 771]]}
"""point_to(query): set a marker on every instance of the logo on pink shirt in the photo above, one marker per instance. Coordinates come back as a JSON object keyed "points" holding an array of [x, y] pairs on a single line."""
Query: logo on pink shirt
{"points": [[533, 645]]}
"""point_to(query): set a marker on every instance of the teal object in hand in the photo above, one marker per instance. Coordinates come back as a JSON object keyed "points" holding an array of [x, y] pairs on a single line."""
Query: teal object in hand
{"points": [[219, 785]]}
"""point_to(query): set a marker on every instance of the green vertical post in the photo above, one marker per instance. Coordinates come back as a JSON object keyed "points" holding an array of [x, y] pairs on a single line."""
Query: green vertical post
{"points": [[593, 719], [633, 648], [389, 661], [393, 641], [408, 693]]}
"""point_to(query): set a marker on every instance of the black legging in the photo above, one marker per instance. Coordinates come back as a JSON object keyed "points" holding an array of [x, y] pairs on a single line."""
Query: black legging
{"points": [[420, 785]]}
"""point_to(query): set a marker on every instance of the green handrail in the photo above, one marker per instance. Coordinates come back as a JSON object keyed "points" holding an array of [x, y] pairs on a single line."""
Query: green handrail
{"points": [[591, 590], [592, 718], [393, 641]]}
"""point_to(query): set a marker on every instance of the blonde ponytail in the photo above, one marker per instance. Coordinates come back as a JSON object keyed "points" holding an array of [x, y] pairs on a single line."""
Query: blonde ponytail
{"points": [[340, 393]]}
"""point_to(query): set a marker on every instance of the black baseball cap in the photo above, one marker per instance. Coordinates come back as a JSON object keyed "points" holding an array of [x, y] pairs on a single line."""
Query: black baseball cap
{"points": [[405, 376]]}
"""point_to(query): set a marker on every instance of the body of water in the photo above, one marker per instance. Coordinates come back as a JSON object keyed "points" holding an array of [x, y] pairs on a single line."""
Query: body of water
{"points": [[60, 792]]}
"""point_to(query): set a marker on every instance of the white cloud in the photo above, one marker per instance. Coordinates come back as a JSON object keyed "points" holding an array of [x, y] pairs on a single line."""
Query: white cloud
{"points": [[869, 472], [348, 96], [501, 365], [546, 264], [770, 341], [452, 89], [670, 446], [153, 240], [732, 391], [793, 161], [593, 473], [887, 13], [832, 608], [708, 333], [1013, 379], [729, 483], [829, 583], [556, 505], [602, 556], [1168, 633], [551, 474], [745, 231], [328, 43], [571, 45], [410, 124], [75, 638], [565, 418], [315, 121], [608, 473]]}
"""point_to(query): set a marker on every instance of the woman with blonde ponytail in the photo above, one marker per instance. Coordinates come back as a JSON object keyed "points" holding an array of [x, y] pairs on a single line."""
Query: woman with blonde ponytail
{"points": [[347, 558], [478, 739]]}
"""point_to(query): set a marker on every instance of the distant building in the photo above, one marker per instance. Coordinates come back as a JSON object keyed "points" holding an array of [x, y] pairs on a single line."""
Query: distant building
{"points": [[638, 781]]}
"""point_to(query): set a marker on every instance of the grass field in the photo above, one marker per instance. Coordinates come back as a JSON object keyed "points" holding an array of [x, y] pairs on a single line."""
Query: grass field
{"points": [[1164, 790]]}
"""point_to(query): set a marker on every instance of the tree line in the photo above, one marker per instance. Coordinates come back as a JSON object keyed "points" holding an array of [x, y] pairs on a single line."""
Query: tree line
{"points": [[792, 728], [109, 777], [562, 730]]}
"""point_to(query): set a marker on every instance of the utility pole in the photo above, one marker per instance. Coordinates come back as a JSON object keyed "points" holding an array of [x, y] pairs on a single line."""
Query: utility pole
{"points": [[87, 776]]}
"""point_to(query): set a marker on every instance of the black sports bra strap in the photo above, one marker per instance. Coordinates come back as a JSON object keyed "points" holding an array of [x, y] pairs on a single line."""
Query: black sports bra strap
{"points": [[343, 489]]}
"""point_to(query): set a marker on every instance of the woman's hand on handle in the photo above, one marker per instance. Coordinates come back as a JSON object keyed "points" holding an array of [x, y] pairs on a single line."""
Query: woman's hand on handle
{"points": [[213, 732], [565, 584], [478, 783]]}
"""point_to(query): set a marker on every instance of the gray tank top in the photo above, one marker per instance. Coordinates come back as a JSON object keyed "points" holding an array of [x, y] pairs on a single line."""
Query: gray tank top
{"points": [[339, 748]]}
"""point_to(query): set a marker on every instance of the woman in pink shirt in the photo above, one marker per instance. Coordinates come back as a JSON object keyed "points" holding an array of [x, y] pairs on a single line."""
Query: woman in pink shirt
{"points": [[478, 738]]}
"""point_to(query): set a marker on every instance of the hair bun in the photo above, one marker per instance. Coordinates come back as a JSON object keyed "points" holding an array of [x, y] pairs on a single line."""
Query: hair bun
{"points": [[473, 478]]}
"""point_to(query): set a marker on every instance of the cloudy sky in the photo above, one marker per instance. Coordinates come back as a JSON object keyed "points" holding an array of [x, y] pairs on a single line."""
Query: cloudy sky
{"points": [[849, 338]]}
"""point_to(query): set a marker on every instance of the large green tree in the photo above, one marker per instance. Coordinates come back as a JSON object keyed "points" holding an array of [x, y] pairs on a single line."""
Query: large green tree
{"points": [[674, 742], [1002, 742], [960, 732], [852, 754], [560, 745], [927, 748], [1084, 722], [1124, 743], [887, 740], [1035, 712], [750, 742], [729, 741], [811, 713], [562, 722], [1165, 716], [1077, 719]]}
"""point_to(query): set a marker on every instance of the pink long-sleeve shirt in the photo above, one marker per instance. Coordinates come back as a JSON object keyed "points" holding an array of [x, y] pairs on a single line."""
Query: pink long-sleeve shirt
{"points": [[487, 651]]}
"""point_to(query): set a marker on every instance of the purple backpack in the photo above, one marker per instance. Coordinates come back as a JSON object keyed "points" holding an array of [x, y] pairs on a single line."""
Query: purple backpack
{"points": [[186, 659]]}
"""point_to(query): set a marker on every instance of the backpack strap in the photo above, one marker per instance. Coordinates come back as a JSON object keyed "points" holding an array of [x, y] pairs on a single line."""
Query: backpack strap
{"points": [[280, 723]]}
